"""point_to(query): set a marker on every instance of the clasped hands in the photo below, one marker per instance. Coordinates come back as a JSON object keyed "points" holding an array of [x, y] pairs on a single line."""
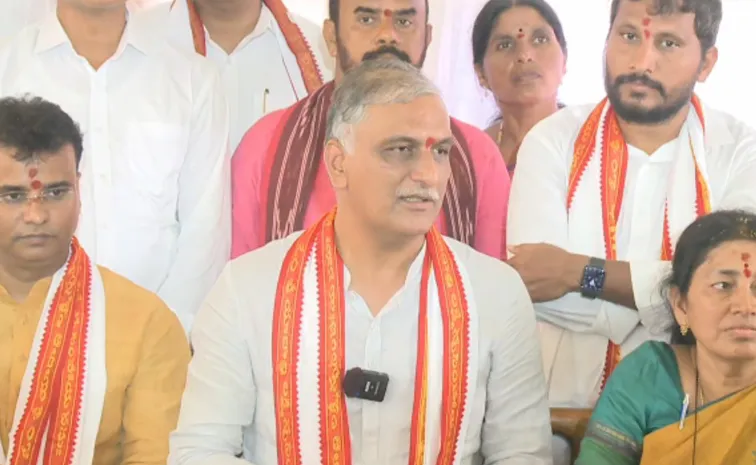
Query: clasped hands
{"points": [[548, 272]]}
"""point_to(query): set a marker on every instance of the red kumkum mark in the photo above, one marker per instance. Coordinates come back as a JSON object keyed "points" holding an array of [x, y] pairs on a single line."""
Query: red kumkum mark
{"points": [[36, 185], [33, 173], [646, 21], [520, 35], [647, 33], [430, 143], [388, 13], [746, 267]]}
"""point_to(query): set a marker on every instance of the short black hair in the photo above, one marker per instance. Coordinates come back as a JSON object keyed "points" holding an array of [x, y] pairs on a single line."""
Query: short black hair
{"points": [[708, 16], [696, 242], [333, 11], [35, 127], [489, 16]]}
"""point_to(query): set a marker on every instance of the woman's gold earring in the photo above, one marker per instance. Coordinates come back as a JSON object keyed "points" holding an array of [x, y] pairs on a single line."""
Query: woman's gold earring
{"points": [[684, 329]]}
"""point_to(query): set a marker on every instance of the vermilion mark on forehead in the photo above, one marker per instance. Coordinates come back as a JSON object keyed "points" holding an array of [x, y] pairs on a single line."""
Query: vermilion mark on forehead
{"points": [[33, 172], [647, 33], [430, 143], [36, 185], [746, 266], [388, 13], [646, 21]]}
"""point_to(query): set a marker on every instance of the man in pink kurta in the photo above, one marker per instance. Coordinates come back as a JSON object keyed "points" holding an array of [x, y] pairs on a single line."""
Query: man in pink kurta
{"points": [[279, 180]]}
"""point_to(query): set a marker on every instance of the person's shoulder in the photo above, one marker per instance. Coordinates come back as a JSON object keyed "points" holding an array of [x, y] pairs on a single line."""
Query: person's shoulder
{"points": [[564, 124], [647, 360], [259, 137], [725, 130], [260, 268], [129, 305], [489, 276]]}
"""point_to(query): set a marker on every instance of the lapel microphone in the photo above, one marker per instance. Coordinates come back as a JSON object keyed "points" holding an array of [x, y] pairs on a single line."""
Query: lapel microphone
{"points": [[365, 384]]}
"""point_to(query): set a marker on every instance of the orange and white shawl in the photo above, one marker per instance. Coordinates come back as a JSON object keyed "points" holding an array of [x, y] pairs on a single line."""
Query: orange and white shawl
{"points": [[599, 170], [312, 422], [60, 403]]}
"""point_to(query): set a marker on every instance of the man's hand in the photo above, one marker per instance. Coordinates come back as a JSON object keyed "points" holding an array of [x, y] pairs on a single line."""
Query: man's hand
{"points": [[548, 271]]}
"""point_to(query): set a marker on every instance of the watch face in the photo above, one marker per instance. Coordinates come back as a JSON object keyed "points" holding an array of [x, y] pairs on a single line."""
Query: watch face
{"points": [[593, 281]]}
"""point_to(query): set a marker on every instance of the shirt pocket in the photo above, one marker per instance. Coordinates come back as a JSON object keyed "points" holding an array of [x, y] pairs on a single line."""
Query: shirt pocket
{"points": [[154, 155]]}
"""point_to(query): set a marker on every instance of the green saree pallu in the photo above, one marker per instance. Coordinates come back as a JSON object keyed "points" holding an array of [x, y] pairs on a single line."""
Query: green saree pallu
{"points": [[640, 419]]}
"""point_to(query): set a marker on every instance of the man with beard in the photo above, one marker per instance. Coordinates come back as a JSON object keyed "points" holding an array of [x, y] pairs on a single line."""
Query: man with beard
{"points": [[279, 182], [602, 194]]}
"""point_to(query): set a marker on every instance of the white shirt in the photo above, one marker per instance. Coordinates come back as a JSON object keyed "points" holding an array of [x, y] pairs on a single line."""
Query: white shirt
{"points": [[17, 14], [574, 358], [262, 61], [228, 405], [155, 174]]}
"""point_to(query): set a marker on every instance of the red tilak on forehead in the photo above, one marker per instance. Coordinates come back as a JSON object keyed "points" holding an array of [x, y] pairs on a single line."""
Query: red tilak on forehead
{"points": [[520, 35], [646, 21], [36, 185], [388, 13], [430, 143], [746, 266], [33, 172], [647, 33]]}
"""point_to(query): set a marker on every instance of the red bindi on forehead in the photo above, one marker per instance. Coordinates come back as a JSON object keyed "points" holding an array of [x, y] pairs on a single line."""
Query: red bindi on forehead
{"points": [[388, 13], [747, 272], [430, 143], [36, 185], [33, 172], [646, 21]]}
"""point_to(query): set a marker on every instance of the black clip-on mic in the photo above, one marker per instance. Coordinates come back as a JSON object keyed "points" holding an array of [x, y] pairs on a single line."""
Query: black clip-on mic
{"points": [[365, 384]]}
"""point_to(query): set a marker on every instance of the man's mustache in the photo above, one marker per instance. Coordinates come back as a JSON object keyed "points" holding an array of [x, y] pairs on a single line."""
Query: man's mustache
{"points": [[387, 49], [640, 79]]}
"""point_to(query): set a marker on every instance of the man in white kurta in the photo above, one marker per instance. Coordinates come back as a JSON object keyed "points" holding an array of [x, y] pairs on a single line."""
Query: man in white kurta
{"points": [[155, 176], [266, 65], [681, 159], [373, 286]]}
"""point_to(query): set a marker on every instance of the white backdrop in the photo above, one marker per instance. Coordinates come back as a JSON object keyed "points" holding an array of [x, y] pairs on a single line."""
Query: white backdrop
{"points": [[731, 87]]}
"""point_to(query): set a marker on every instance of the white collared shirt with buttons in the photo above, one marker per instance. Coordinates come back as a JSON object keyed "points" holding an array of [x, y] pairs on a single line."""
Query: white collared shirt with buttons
{"points": [[155, 186], [261, 75], [228, 405], [575, 329]]}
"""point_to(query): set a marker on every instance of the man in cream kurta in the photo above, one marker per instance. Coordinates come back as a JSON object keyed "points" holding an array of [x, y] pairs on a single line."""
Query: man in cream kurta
{"points": [[381, 290], [265, 65], [682, 157], [121, 354], [155, 183]]}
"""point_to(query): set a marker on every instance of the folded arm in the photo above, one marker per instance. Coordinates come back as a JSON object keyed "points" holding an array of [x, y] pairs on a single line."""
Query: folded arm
{"points": [[219, 400], [538, 214], [204, 204]]}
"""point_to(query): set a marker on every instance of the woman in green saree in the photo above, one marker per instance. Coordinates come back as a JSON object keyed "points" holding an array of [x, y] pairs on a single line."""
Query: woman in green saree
{"points": [[692, 401]]}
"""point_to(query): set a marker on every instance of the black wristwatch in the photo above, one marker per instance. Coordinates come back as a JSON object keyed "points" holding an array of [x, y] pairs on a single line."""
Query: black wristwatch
{"points": [[594, 276]]}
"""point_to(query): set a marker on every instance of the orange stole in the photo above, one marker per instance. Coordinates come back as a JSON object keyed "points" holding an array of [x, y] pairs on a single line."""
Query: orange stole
{"points": [[614, 157], [295, 39], [57, 387], [334, 421]]}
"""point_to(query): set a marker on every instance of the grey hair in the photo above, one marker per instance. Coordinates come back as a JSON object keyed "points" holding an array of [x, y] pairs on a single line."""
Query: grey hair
{"points": [[382, 81], [708, 16]]}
